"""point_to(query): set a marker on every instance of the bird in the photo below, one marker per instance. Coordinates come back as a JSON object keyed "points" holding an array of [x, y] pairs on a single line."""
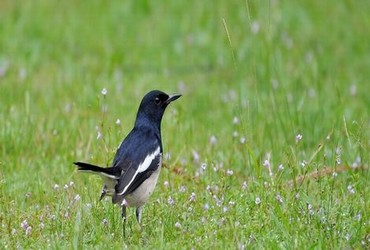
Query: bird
{"points": [[133, 174]]}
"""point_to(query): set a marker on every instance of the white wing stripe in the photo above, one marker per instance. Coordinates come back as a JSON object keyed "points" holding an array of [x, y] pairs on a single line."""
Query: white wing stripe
{"points": [[148, 160], [142, 167]]}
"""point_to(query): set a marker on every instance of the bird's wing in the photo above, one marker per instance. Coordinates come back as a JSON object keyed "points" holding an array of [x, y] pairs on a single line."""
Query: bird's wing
{"points": [[135, 174], [136, 158], [140, 177]]}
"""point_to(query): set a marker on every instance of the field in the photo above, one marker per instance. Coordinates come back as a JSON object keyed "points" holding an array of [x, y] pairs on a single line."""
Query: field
{"points": [[268, 148]]}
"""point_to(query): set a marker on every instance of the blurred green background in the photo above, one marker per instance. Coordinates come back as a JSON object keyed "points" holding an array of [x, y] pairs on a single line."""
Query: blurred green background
{"points": [[253, 74]]}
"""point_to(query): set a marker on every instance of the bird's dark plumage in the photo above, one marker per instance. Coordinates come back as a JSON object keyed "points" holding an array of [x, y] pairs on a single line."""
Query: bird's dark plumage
{"points": [[133, 174]]}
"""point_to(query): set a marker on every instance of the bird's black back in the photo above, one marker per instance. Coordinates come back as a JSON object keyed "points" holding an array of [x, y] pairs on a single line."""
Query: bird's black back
{"points": [[137, 145]]}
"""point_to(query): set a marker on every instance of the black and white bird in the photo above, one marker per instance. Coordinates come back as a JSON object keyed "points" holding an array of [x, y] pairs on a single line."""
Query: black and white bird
{"points": [[134, 172]]}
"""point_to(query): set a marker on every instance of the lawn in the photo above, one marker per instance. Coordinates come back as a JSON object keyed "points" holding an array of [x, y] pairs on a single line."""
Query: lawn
{"points": [[268, 148]]}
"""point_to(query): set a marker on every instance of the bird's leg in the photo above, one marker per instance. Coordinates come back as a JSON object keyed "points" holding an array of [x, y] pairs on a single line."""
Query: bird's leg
{"points": [[103, 192], [138, 215], [124, 221]]}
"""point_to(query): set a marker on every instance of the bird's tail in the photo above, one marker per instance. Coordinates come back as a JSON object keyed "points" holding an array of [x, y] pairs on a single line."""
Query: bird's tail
{"points": [[87, 167]]}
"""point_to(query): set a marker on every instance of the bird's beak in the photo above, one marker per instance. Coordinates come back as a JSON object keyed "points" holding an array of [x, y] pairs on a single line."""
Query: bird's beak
{"points": [[171, 98]]}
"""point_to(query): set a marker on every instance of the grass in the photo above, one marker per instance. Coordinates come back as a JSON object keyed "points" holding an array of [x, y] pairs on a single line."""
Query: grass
{"points": [[254, 75]]}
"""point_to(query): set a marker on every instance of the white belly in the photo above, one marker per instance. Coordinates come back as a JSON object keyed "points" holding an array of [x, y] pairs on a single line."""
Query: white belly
{"points": [[141, 195]]}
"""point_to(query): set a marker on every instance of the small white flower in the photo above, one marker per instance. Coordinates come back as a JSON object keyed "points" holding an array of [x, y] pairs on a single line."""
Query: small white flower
{"points": [[118, 122], [258, 200], [203, 220], [279, 198], [351, 189], [358, 217], [24, 224], [229, 172], [104, 222], [65, 186], [192, 197], [236, 120], [255, 27], [338, 150], [222, 221], [166, 184], [244, 185], [267, 164], [243, 140], [99, 135], [309, 206], [206, 206], [338, 161], [215, 168], [77, 198], [56, 186], [28, 230], [213, 140], [357, 162], [182, 189], [203, 166], [281, 167], [310, 209], [298, 138], [303, 163], [104, 91], [71, 183], [241, 246], [251, 239], [323, 220], [196, 156], [347, 237], [170, 201], [218, 201], [177, 225]]}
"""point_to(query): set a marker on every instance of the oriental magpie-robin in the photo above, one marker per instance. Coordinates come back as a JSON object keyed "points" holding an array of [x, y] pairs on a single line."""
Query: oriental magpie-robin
{"points": [[134, 172]]}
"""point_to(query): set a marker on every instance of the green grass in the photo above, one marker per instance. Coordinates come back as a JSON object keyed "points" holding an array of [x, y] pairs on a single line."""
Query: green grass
{"points": [[282, 68]]}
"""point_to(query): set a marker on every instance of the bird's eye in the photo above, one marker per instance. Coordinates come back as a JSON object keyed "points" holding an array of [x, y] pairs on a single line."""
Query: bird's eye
{"points": [[157, 101]]}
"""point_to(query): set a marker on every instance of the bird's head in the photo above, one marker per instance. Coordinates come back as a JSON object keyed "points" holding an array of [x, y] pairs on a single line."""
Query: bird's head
{"points": [[153, 105]]}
